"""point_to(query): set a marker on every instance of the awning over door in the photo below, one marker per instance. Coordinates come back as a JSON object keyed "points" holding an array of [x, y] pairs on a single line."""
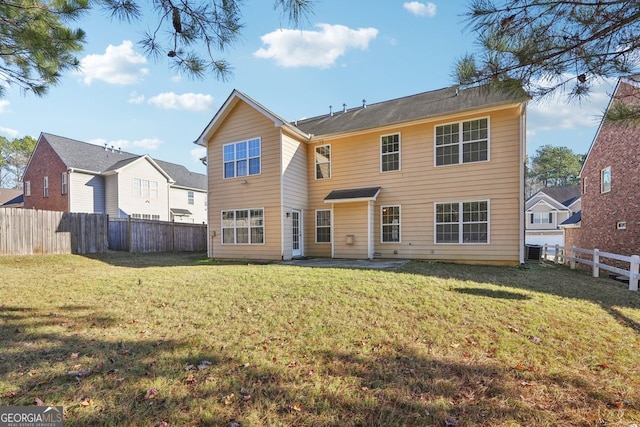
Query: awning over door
{"points": [[353, 195]]}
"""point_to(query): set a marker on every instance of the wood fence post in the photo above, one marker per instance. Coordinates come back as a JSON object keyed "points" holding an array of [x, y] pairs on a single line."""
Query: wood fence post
{"points": [[596, 261], [129, 234], [634, 269], [555, 258], [572, 259]]}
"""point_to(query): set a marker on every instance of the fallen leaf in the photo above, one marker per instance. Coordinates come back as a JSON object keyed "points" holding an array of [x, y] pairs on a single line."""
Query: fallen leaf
{"points": [[86, 402], [228, 399], [74, 355], [470, 341], [190, 379], [525, 384], [151, 393], [39, 402], [125, 352], [616, 404], [534, 339], [296, 407], [512, 329]]}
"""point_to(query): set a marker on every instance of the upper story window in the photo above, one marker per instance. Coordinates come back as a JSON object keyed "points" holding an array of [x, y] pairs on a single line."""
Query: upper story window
{"points": [[390, 152], [45, 186], [323, 162], [27, 188], [462, 222], [584, 185], [64, 188], [144, 188], [190, 197], [541, 218], [242, 158], [605, 180], [390, 224], [462, 142]]}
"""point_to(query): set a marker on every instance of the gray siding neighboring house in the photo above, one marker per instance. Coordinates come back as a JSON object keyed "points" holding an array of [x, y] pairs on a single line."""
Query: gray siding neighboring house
{"points": [[546, 210], [106, 180]]}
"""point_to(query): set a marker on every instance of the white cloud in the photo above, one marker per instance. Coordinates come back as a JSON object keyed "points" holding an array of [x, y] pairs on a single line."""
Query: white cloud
{"points": [[198, 153], [9, 133], [124, 144], [557, 113], [294, 48], [4, 106], [421, 9], [134, 98], [120, 65], [186, 101], [177, 78]]}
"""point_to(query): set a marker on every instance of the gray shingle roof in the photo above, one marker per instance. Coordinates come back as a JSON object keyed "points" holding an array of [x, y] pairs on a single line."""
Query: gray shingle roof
{"points": [[566, 194], [353, 193], [414, 107], [90, 157]]}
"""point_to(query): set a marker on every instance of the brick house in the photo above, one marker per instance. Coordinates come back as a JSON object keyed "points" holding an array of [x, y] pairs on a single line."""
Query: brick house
{"points": [[73, 176], [610, 177]]}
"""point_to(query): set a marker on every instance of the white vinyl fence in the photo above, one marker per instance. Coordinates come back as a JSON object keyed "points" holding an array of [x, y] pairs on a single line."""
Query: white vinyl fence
{"points": [[596, 259]]}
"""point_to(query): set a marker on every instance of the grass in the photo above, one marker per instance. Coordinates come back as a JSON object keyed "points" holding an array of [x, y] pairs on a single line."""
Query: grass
{"points": [[157, 340]]}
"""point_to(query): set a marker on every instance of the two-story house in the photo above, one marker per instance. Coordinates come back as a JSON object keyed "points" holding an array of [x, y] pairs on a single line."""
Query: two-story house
{"points": [[437, 175], [610, 216], [74, 176], [546, 210]]}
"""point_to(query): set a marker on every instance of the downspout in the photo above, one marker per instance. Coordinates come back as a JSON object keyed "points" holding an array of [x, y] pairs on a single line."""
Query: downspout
{"points": [[523, 150]]}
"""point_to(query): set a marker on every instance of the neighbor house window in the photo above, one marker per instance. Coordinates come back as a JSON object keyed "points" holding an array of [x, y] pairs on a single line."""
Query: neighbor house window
{"points": [[584, 185], [45, 186], [390, 224], [27, 188], [605, 180], [242, 158], [63, 183], [190, 197], [323, 226], [323, 162], [243, 226], [541, 218], [462, 222], [144, 188], [390, 153], [462, 142]]}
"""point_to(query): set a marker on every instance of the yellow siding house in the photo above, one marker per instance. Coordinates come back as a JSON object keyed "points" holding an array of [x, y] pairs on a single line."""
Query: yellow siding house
{"points": [[434, 176]]}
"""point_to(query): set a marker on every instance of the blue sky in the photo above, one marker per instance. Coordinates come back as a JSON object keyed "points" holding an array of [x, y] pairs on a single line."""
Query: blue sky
{"points": [[348, 51]]}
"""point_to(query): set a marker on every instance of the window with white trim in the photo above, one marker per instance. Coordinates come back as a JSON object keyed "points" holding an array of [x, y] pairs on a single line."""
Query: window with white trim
{"points": [[323, 162], [605, 180], [242, 158], [27, 188], [45, 186], [323, 226], [454, 146], [541, 218], [462, 222], [390, 152], [243, 226], [63, 183], [190, 197], [390, 223], [145, 189]]}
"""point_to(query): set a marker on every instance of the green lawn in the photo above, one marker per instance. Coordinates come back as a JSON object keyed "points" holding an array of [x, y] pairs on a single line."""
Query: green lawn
{"points": [[175, 340]]}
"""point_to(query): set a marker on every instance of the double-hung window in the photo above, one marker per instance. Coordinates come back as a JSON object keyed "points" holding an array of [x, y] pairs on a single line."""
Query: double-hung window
{"points": [[605, 180], [63, 183], [462, 142], [144, 188], [541, 218], [323, 162], [390, 152], [27, 188], [390, 224], [462, 222], [323, 226], [190, 197], [243, 226], [242, 158], [45, 186]]}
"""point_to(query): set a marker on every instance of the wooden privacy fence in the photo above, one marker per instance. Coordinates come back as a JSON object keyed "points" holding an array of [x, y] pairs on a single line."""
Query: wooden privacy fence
{"points": [[140, 235], [596, 259], [31, 232]]}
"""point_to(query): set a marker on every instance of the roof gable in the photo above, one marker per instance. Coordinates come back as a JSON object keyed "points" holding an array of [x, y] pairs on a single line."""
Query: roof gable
{"points": [[565, 195]]}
